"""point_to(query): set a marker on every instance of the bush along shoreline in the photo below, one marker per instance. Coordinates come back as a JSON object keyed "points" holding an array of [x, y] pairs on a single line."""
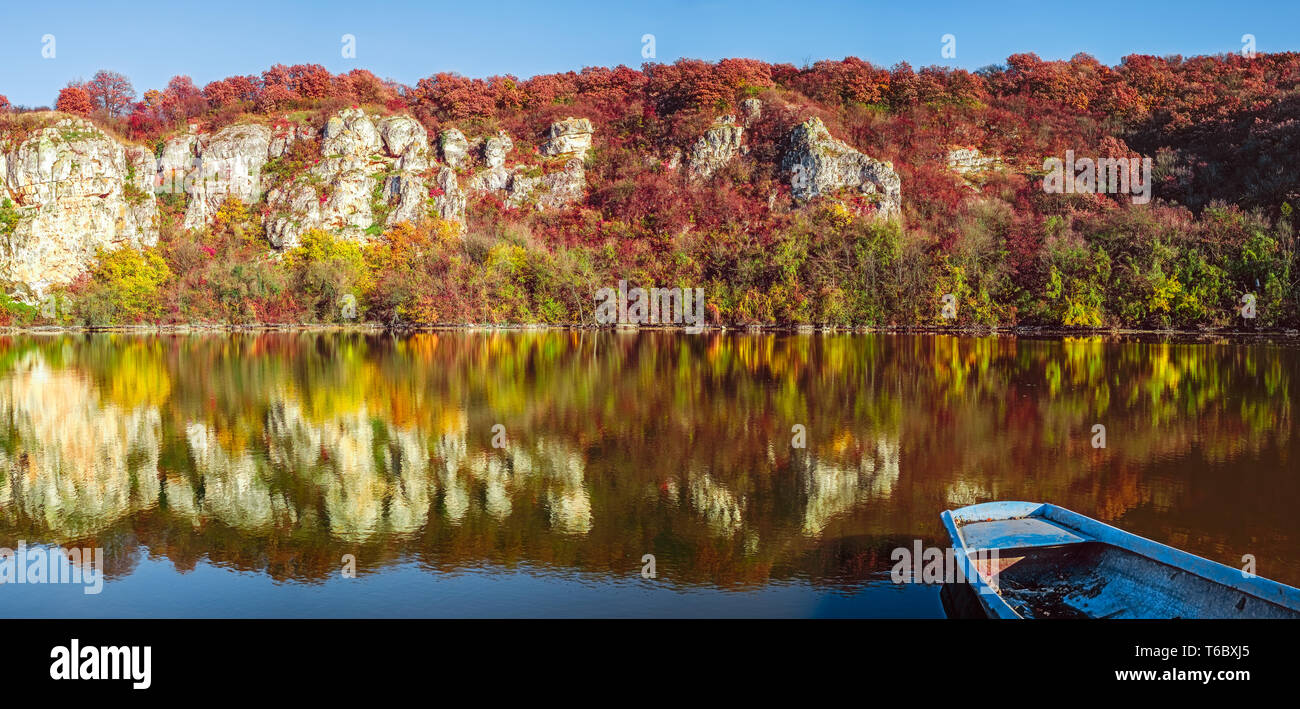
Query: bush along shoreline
{"points": [[853, 273], [988, 233]]}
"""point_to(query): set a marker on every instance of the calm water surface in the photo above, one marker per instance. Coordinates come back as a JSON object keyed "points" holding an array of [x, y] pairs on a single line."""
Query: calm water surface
{"points": [[229, 475]]}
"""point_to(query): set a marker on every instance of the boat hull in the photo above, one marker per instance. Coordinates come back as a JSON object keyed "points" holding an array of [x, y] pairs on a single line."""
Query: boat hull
{"points": [[1031, 560]]}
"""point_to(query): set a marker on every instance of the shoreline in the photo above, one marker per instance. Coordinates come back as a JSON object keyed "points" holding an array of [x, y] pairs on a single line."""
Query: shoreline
{"points": [[375, 327]]}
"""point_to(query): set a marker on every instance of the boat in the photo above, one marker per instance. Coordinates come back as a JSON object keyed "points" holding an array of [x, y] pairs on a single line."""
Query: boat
{"points": [[1037, 560]]}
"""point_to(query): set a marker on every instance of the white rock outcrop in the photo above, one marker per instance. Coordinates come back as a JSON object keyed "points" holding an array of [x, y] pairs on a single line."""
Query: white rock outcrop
{"points": [[531, 185], [405, 137], [494, 175], [448, 199], [570, 137], [819, 165], [972, 165], [177, 159], [74, 190], [229, 166], [453, 147], [555, 190], [371, 174], [717, 147]]}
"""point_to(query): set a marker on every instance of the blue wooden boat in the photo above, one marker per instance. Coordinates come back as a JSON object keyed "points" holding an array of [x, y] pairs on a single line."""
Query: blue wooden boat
{"points": [[1032, 560]]}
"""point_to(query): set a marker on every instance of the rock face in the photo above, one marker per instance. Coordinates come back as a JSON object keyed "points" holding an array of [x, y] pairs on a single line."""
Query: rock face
{"points": [[819, 165], [494, 176], [229, 165], [370, 173], [523, 186], [448, 200], [715, 148], [453, 147], [405, 137], [554, 190], [562, 189], [495, 149], [971, 165], [75, 190], [570, 137], [177, 158]]}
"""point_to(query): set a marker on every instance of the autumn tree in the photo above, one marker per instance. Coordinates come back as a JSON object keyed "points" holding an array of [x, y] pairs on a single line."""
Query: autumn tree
{"points": [[692, 83], [453, 97], [74, 99], [182, 100], [274, 97], [299, 80], [4, 103], [362, 86], [220, 93], [110, 92]]}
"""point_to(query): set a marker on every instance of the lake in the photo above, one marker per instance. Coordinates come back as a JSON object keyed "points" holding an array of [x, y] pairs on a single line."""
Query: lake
{"points": [[530, 473]]}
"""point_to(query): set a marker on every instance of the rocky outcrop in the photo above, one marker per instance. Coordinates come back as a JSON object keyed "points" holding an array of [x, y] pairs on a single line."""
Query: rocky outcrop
{"points": [[554, 190], [453, 147], [370, 174], [715, 148], [570, 137], [535, 185], [494, 175], [448, 200], [77, 190], [971, 165], [177, 159], [74, 190], [405, 137], [819, 165], [229, 166], [495, 149]]}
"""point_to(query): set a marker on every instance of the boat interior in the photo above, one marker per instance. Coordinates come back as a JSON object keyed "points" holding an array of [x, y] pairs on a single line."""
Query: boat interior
{"points": [[1047, 570]]}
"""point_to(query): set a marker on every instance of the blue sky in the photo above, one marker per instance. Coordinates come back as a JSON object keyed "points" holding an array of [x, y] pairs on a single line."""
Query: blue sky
{"points": [[151, 40]]}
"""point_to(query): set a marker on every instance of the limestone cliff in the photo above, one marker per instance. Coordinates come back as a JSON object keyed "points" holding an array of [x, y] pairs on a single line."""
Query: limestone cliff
{"points": [[75, 190], [71, 189], [819, 165]]}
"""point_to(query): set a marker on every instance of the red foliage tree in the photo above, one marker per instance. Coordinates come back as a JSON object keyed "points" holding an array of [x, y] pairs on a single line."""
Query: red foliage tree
{"points": [[246, 87], [220, 93], [74, 99], [363, 87], [300, 80], [182, 100], [110, 92], [452, 96], [691, 83], [848, 81], [274, 96]]}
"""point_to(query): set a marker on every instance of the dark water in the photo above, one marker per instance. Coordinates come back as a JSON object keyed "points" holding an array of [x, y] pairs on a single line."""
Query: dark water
{"points": [[230, 475]]}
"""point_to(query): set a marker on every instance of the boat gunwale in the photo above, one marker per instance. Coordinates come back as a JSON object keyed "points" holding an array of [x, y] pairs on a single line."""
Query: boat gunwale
{"points": [[1261, 588]]}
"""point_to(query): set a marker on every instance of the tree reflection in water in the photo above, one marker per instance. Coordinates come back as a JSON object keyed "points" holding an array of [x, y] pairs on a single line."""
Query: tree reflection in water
{"points": [[279, 453]]}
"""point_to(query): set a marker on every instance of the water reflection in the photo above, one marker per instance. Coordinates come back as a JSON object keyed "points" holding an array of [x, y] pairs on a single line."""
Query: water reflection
{"points": [[279, 453]]}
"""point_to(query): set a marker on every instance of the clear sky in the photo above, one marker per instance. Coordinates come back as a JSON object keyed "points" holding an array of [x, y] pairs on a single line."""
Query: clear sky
{"points": [[152, 40]]}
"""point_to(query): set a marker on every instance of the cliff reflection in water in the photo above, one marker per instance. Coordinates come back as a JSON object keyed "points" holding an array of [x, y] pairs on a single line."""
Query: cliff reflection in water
{"points": [[279, 453]]}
